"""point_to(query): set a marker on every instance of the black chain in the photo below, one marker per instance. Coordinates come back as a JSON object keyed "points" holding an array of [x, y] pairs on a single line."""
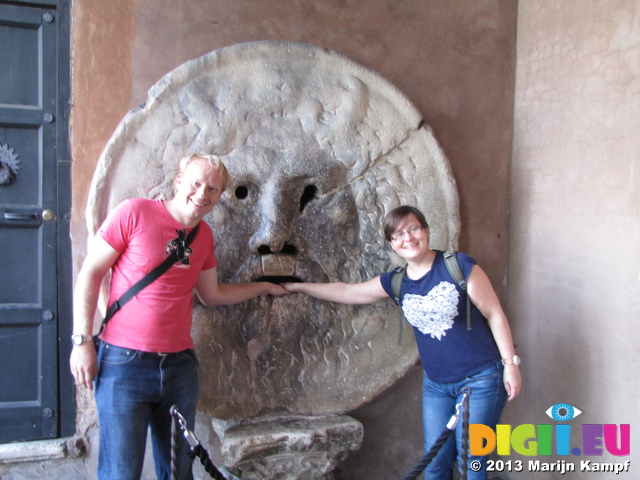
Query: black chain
{"points": [[426, 460], [209, 467], [465, 431], [196, 448], [444, 436], [175, 447]]}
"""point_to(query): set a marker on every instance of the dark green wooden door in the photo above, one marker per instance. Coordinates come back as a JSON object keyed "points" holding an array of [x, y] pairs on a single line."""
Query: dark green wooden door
{"points": [[31, 220]]}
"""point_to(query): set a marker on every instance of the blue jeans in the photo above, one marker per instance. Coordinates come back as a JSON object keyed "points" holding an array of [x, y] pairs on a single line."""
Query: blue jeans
{"points": [[486, 402], [134, 391]]}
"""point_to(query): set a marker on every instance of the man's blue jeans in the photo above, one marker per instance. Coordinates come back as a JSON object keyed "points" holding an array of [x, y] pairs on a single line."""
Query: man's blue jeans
{"points": [[439, 400], [134, 391]]}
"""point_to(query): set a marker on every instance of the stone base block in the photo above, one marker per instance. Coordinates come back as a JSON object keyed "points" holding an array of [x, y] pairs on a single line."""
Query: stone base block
{"points": [[289, 447]]}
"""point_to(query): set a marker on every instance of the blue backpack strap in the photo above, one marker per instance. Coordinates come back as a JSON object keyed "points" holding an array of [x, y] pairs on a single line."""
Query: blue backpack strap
{"points": [[451, 261], [396, 288]]}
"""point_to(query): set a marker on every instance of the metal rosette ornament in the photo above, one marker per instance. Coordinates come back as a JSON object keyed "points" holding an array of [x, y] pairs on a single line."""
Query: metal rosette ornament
{"points": [[9, 165]]}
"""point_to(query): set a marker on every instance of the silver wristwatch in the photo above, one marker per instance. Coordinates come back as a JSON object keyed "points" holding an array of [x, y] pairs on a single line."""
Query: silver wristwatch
{"points": [[515, 360], [79, 338]]}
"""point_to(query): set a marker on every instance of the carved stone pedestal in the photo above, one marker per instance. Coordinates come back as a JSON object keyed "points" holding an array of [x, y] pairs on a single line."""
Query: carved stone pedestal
{"points": [[289, 447]]}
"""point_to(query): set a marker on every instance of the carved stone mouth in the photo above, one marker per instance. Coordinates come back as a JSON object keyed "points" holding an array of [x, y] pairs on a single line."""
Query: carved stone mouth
{"points": [[278, 279], [278, 265], [278, 268]]}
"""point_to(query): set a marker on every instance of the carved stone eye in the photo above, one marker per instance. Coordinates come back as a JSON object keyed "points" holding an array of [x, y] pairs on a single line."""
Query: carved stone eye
{"points": [[308, 195], [241, 192]]}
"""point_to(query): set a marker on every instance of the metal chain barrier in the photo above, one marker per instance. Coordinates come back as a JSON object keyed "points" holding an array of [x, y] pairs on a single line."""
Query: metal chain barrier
{"points": [[196, 449], [465, 431], [175, 442], [179, 425], [463, 407]]}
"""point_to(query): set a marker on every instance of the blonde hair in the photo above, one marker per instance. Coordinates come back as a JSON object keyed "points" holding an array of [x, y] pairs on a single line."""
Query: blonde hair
{"points": [[214, 160]]}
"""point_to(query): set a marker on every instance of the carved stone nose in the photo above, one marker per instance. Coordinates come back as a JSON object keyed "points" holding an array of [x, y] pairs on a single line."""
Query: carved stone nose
{"points": [[276, 220], [271, 238]]}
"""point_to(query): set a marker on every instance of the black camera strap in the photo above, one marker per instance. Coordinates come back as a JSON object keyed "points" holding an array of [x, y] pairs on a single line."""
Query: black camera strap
{"points": [[181, 244]]}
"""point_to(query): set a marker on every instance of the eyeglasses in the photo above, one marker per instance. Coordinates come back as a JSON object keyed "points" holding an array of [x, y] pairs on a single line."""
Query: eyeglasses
{"points": [[411, 231]]}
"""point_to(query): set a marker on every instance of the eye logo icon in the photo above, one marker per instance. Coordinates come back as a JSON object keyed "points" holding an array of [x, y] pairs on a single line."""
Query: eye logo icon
{"points": [[563, 412]]}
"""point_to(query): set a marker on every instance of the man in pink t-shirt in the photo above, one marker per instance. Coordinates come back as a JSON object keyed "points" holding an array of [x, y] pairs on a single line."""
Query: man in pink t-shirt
{"points": [[145, 362]]}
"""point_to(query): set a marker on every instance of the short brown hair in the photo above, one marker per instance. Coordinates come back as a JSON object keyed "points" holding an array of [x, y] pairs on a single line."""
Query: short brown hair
{"points": [[214, 160], [395, 216]]}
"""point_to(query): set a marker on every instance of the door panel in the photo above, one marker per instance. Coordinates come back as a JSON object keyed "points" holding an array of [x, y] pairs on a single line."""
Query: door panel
{"points": [[20, 55], [29, 406]]}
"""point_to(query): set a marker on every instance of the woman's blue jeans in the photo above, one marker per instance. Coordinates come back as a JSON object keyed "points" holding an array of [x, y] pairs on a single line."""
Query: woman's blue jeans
{"points": [[486, 402], [135, 391]]}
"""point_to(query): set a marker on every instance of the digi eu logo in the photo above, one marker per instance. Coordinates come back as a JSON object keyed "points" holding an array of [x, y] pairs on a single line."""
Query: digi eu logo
{"points": [[535, 440], [562, 412]]}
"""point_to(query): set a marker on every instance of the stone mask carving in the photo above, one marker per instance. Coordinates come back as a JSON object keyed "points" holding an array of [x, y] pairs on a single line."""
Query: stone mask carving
{"points": [[321, 149]]}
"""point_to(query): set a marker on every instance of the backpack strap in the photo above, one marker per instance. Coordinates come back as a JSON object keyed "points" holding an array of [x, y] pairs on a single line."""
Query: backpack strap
{"points": [[451, 261], [182, 242], [396, 287]]}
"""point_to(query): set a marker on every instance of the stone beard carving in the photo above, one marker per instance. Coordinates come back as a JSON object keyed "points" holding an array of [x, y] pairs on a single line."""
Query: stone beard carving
{"points": [[321, 149]]}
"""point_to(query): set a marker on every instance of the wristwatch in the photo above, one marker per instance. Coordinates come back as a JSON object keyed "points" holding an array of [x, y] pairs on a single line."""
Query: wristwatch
{"points": [[515, 360], [79, 339]]}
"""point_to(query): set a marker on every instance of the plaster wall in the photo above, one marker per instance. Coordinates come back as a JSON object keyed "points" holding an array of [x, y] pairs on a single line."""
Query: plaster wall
{"points": [[454, 60], [574, 270]]}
